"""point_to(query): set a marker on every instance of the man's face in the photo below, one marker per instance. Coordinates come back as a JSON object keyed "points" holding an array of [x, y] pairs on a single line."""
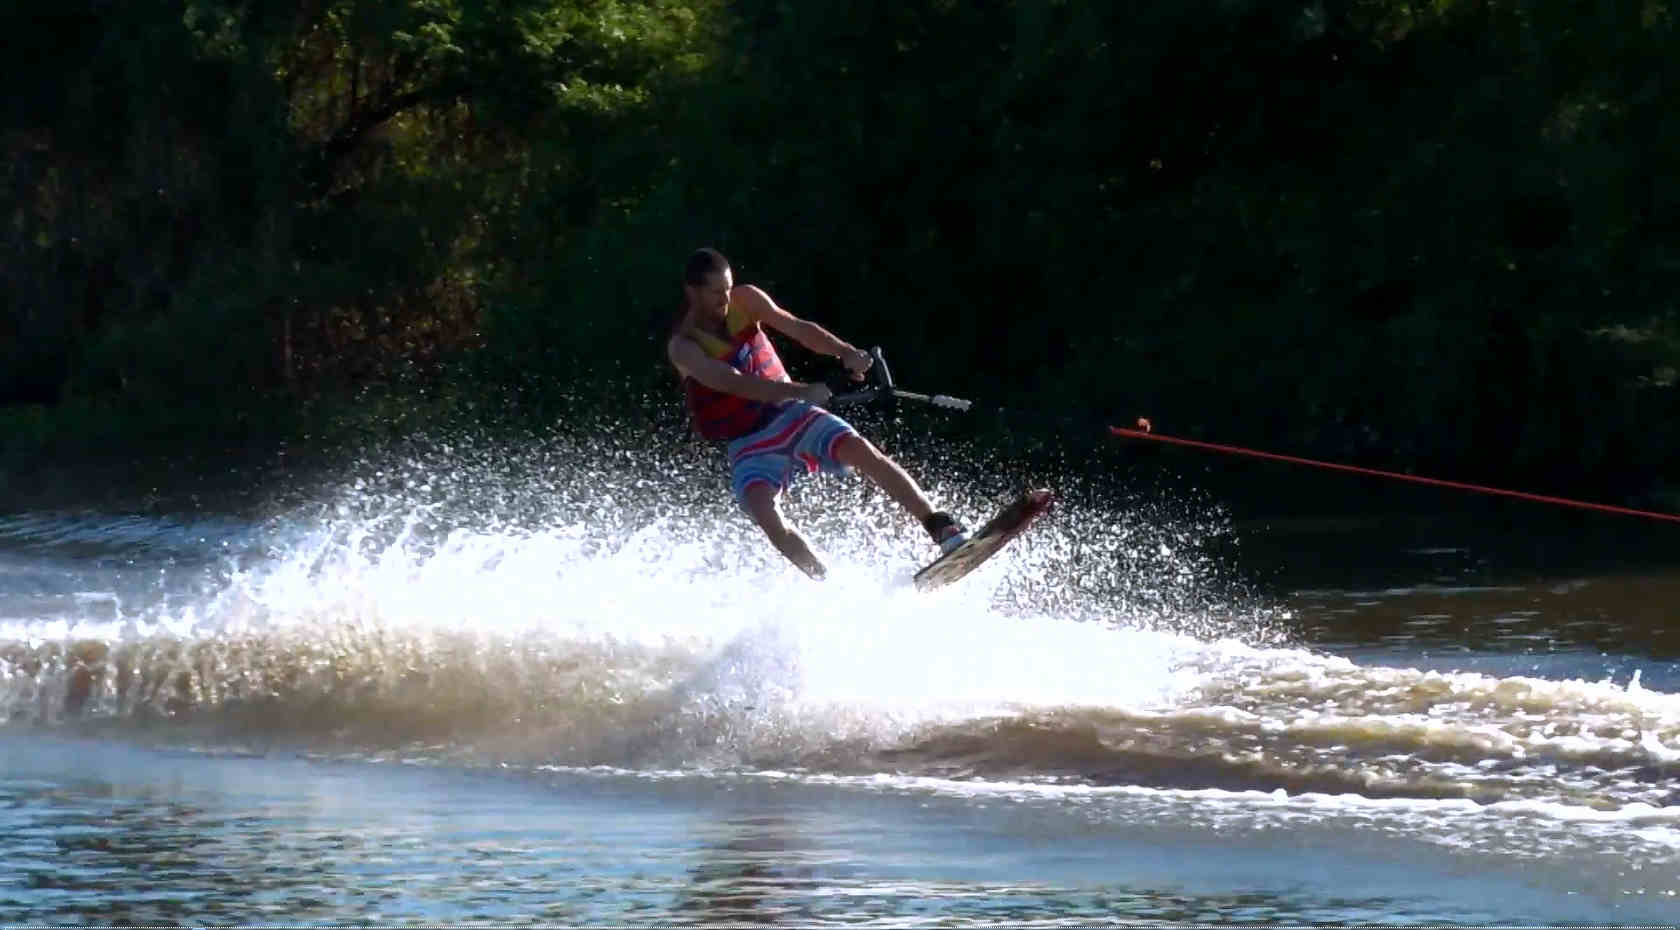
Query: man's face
{"points": [[713, 295]]}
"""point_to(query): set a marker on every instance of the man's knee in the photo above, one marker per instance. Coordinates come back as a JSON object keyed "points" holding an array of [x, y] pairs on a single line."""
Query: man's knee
{"points": [[853, 451], [759, 501]]}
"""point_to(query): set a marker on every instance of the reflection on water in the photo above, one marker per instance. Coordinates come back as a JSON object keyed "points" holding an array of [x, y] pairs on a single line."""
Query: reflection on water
{"points": [[751, 870], [142, 856], [146, 838], [1480, 582], [1633, 614]]}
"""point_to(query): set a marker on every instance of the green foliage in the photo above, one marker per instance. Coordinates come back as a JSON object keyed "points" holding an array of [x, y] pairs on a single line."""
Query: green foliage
{"points": [[1417, 234], [1385, 231], [284, 196]]}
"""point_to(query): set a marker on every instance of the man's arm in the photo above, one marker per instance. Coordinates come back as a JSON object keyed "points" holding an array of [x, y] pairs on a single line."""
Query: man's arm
{"points": [[718, 375], [808, 334]]}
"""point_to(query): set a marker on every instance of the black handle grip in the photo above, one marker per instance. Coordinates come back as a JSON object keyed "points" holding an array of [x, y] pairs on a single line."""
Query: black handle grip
{"points": [[877, 384]]}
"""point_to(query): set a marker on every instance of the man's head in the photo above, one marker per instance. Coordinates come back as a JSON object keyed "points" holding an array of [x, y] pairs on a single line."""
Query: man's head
{"points": [[707, 280]]}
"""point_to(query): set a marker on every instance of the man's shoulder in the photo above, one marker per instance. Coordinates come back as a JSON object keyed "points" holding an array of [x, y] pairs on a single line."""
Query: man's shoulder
{"points": [[750, 298], [679, 343]]}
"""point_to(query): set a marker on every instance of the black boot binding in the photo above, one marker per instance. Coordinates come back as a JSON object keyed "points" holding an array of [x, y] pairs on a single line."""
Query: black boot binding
{"points": [[947, 533]]}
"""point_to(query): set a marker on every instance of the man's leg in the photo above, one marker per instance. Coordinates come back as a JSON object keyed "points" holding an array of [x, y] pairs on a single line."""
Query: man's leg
{"points": [[760, 502], [859, 453]]}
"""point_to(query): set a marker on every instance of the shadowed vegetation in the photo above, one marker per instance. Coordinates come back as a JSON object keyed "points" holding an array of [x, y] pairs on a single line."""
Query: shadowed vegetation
{"points": [[1442, 236]]}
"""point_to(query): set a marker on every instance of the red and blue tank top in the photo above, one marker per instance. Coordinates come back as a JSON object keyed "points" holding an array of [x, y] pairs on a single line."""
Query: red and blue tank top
{"points": [[720, 415]]}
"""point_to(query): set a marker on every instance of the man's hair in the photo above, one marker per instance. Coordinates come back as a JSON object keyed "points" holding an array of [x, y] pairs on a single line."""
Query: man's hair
{"points": [[702, 264]]}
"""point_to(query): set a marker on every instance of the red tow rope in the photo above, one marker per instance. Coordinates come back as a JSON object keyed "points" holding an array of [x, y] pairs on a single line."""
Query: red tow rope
{"points": [[1144, 432]]}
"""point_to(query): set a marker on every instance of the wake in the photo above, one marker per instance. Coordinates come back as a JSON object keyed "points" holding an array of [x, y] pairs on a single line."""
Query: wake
{"points": [[586, 606], [459, 590]]}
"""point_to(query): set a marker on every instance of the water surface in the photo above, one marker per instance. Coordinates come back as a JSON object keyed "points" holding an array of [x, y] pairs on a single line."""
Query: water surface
{"points": [[535, 692]]}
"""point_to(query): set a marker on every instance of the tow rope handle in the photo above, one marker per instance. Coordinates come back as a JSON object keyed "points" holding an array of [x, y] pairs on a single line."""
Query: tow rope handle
{"points": [[880, 386]]}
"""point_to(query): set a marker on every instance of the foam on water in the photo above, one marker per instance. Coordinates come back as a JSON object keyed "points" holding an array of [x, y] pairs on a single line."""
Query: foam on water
{"points": [[558, 606]]}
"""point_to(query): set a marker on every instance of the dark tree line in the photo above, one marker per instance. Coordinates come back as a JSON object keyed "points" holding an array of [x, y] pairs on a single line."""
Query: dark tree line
{"points": [[1440, 235]]}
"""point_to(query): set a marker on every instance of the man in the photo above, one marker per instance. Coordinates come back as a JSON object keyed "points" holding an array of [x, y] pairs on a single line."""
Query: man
{"points": [[738, 393]]}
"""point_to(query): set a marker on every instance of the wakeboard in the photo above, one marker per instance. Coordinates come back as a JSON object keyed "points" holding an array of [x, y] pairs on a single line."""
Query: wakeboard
{"points": [[998, 531]]}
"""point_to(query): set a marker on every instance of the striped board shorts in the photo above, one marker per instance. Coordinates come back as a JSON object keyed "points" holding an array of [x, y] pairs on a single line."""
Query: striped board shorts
{"points": [[799, 438]]}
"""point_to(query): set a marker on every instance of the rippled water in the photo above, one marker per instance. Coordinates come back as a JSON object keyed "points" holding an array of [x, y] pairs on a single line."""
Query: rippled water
{"points": [[150, 836], [551, 689]]}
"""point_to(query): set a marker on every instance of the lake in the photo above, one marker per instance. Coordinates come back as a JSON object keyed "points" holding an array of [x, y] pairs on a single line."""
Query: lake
{"points": [[572, 686]]}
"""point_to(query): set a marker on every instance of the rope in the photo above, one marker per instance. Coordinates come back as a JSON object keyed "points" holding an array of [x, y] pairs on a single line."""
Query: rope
{"points": [[1145, 433]]}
